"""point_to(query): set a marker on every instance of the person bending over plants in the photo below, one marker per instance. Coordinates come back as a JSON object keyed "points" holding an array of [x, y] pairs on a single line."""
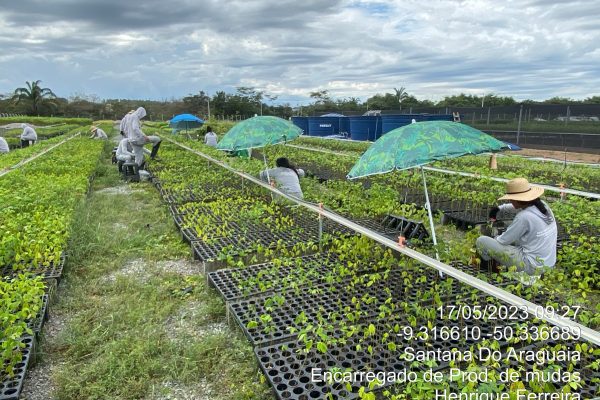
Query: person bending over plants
{"points": [[29, 136], [286, 176], [529, 242], [98, 133]]}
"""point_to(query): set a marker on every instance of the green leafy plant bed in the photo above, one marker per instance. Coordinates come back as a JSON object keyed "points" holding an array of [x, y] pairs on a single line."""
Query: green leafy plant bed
{"points": [[12, 383]]}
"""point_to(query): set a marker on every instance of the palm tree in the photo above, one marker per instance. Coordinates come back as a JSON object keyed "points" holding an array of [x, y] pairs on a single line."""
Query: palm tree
{"points": [[401, 95], [35, 94]]}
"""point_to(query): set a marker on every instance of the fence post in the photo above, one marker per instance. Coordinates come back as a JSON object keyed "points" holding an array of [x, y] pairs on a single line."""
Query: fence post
{"points": [[519, 125], [488, 118]]}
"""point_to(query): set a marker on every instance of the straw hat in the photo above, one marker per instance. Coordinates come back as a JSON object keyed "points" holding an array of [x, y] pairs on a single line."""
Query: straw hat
{"points": [[93, 129], [520, 189]]}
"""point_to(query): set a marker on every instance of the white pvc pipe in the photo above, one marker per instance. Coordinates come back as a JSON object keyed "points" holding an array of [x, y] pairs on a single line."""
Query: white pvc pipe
{"points": [[586, 333], [581, 193]]}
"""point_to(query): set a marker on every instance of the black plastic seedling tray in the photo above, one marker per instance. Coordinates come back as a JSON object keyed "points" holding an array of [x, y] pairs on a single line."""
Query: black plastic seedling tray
{"points": [[327, 299], [228, 281], [10, 389], [53, 271]]}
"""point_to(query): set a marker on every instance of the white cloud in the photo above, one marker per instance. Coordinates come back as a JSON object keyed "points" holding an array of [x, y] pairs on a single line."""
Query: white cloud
{"points": [[535, 49]]}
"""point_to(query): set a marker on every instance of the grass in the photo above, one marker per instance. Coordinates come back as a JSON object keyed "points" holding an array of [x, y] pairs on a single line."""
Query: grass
{"points": [[121, 304]]}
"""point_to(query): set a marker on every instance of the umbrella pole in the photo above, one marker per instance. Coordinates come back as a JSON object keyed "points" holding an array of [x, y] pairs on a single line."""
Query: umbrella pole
{"points": [[428, 206]]}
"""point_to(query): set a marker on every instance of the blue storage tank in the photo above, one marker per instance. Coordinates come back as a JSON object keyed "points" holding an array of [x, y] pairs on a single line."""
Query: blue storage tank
{"points": [[365, 128], [324, 126], [438, 117], [345, 126], [302, 123], [391, 122]]}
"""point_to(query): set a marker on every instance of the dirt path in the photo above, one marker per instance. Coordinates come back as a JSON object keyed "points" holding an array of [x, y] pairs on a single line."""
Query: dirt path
{"points": [[560, 155]]}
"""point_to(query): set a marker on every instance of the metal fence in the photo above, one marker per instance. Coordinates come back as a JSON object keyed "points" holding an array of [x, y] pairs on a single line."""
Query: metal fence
{"points": [[527, 112], [575, 142]]}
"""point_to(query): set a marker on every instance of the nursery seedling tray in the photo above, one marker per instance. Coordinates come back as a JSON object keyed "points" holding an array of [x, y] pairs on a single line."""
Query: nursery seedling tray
{"points": [[289, 367], [10, 388], [227, 281], [53, 271], [328, 299], [36, 324]]}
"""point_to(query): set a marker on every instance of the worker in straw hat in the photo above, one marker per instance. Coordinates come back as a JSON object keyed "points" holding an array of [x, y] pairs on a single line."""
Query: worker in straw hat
{"points": [[529, 242], [98, 133]]}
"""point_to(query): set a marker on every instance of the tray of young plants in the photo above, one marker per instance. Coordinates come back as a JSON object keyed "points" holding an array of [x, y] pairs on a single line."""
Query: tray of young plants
{"points": [[417, 341], [273, 317], [22, 302], [16, 361], [288, 273]]}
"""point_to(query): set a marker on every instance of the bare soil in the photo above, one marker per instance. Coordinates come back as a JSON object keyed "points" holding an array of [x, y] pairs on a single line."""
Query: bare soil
{"points": [[560, 155]]}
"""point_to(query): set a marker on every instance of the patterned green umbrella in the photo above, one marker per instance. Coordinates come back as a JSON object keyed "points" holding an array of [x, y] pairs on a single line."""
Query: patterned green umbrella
{"points": [[259, 132], [420, 143]]}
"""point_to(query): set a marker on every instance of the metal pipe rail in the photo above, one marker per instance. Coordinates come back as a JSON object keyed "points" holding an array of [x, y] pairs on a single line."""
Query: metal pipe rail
{"points": [[590, 195], [586, 333], [28, 160]]}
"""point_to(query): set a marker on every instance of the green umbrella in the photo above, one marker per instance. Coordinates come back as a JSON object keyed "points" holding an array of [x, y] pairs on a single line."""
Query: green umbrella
{"points": [[259, 132], [420, 143]]}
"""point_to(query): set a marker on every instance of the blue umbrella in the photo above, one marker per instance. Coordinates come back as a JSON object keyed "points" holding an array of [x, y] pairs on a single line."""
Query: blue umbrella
{"points": [[185, 121], [513, 147]]}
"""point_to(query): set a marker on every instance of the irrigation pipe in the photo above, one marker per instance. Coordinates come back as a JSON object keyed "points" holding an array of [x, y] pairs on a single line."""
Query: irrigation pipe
{"points": [[534, 309], [28, 160], [549, 188], [469, 174]]}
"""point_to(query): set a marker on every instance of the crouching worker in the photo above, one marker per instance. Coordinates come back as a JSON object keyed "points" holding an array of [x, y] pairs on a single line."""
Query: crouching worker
{"points": [[138, 139], [125, 151], [529, 242], [29, 136], [286, 177]]}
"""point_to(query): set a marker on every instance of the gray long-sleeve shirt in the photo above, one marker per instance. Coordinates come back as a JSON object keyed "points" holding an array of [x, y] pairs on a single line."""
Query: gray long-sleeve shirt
{"points": [[533, 233], [211, 139], [286, 179]]}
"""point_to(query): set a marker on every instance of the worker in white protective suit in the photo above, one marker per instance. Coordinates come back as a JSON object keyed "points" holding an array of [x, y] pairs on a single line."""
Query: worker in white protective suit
{"points": [[125, 151], [124, 125], [98, 133], [29, 136], [3, 146], [138, 139]]}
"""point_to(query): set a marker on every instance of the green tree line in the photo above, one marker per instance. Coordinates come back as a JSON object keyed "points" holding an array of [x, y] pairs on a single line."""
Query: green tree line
{"points": [[33, 99]]}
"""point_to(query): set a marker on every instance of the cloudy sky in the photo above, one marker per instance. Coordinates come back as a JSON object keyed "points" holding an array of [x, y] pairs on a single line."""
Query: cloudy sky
{"points": [[163, 49]]}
